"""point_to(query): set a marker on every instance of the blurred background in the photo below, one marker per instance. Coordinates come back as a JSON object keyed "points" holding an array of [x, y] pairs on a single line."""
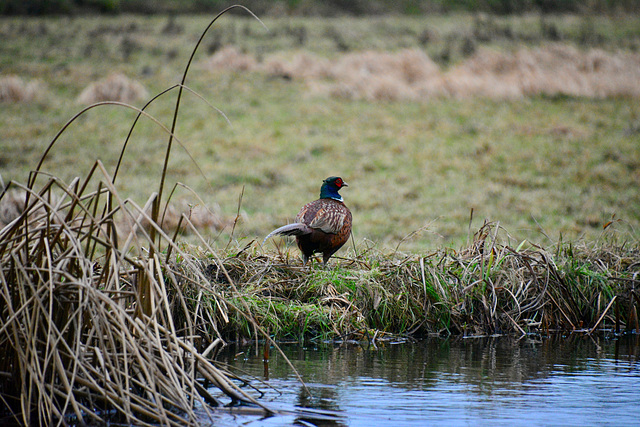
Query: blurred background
{"points": [[439, 114], [317, 7]]}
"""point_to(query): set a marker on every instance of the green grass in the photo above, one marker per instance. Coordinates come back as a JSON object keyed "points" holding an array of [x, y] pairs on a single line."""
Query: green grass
{"points": [[560, 167]]}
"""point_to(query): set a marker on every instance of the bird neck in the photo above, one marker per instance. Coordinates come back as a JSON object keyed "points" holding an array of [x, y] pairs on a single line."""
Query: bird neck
{"points": [[327, 192]]}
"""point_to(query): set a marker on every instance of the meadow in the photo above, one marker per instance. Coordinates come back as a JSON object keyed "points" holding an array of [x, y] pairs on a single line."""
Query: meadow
{"points": [[545, 166]]}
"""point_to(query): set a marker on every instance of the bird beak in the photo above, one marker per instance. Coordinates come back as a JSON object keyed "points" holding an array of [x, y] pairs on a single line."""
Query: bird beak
{"points": [[344, 184]]}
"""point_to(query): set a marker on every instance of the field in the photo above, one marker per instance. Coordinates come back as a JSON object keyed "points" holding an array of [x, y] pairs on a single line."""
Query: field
{"points": [[546, 165]]}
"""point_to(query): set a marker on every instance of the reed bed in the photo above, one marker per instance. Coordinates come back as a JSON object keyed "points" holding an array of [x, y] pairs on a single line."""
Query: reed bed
{"points": [[98, 326], [87, 327], [88, 333], [488, 287]]}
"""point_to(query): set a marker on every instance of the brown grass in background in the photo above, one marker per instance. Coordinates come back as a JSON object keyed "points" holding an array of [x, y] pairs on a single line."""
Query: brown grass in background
{"points": [[231, 59], [14, 89], [200, 217], [115, 87], [12, 204], [386, 76], [410, 74], [303, 65], [551, 70]]}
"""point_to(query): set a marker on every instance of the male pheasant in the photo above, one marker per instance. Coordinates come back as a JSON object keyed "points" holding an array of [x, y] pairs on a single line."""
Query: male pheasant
{"points": [[323, 225]]}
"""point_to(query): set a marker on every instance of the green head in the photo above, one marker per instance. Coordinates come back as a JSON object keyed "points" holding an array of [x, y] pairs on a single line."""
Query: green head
{"points": [[330, 188]]}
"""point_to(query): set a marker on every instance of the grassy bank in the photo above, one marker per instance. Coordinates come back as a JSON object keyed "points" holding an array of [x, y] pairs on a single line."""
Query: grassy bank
{"points": [[491, 286]]}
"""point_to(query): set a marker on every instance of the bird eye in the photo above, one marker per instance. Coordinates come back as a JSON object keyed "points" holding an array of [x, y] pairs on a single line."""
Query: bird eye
{"points": [[339, 182]]}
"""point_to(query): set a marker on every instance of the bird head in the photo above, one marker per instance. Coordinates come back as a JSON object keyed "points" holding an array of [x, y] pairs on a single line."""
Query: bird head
{"points": [[330, 188]]}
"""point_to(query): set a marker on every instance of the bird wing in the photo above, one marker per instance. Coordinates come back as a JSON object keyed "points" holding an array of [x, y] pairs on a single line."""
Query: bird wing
{"points": [[329, 220]]}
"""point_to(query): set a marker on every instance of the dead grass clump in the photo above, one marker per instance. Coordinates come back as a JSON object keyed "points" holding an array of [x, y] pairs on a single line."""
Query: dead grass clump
{"points": [[200, 217], [14, 89], [230, 58], [11, 206], [410, 74], [551, 70], [308, 66], [613, 74], [462, 84], [116, 87], [384, 76], [301, 66], [414, 65]]}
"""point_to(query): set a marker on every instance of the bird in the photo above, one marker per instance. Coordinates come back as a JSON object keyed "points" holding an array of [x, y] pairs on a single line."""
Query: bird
{"points": [[321, 226]]}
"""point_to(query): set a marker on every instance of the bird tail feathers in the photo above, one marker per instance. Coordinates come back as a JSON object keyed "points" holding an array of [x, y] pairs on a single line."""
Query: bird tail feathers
{"points": [[295, 229]]}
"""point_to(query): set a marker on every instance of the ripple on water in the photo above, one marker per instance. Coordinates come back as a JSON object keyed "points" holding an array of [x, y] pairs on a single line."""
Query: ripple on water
{"points": [[459, 383]]}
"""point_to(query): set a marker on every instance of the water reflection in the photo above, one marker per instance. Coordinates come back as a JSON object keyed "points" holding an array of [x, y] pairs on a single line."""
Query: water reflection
{"points": [[561, 380]]}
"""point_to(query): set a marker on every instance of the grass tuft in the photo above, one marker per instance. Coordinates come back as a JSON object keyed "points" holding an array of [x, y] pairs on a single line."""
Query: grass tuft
{"points": [[115, 87], [231, 59], [15, 89]]}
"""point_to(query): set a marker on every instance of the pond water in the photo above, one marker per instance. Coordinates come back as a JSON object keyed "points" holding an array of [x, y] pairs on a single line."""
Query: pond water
{"points": [[574, 380]]}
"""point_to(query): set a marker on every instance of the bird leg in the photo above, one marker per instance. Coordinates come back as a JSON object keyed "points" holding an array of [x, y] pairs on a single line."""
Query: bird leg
{"points": [[325, 258]]}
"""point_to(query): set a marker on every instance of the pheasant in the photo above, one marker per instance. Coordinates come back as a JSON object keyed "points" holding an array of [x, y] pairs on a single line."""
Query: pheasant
{"points": [[323, 225]]}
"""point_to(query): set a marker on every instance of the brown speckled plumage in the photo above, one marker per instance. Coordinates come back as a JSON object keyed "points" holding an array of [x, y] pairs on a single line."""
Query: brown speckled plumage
{"points": [[321, 226]]}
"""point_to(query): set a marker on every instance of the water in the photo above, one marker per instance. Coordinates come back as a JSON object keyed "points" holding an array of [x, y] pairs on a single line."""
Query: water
{"points": [[575, 380]]}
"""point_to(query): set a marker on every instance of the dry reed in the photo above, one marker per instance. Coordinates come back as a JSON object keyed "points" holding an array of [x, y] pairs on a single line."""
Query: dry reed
{"points": [[87, 328], [88, 333]]}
